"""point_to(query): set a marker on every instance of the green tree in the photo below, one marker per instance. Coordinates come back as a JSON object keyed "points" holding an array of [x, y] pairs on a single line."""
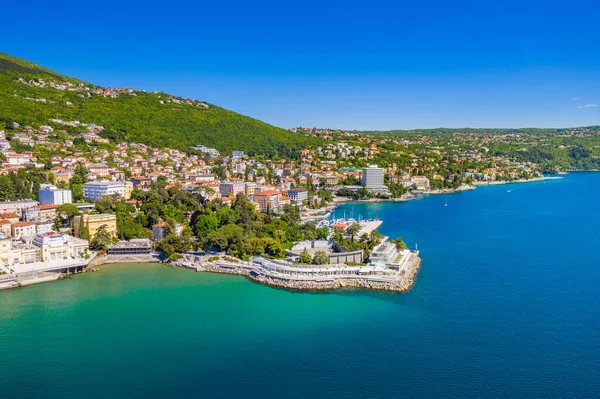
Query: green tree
{"points": [[305, 257], [102, 239], [320, 258], [353, 229], [65, 213], [399, 244], [83, 229], [7, 189]]}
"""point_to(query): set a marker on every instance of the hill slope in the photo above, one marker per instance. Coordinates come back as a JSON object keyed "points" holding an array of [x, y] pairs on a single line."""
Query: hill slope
{"points": [[157, 119]]}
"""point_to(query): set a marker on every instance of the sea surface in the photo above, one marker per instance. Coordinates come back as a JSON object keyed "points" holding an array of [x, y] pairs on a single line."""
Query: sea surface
{"points": [[507, 305]]}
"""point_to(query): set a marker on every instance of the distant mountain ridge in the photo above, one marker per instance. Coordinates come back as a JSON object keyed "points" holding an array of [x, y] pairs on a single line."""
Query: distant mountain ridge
{"points": [[32, 95]]}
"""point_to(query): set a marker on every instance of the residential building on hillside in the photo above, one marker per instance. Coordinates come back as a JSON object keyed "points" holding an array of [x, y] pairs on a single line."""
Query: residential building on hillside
{"points": [[31, 214], [5, 228], [250, 189], [47, 212], [95, 190], [16, 206], [227, 189], [51, 195], [298, 195], [267, 200], [22, 229]]}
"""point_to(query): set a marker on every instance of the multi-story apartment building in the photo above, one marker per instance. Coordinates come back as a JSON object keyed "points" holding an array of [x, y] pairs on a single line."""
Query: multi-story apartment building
{"points": [[372, 179], [16, 206], [94, 222], [52, 195], [267, 200], [95, 190], [298, 195], [22, 229], [227, 189]]}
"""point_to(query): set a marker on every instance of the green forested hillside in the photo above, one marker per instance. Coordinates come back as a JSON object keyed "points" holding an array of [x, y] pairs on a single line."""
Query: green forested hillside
{"points": [[139, 115]]}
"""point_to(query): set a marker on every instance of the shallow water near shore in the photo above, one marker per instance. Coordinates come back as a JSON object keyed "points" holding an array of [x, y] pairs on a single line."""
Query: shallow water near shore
{"points": [[506, 304]]}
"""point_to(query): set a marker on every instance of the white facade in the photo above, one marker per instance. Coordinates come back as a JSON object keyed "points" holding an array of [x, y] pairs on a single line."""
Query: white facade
{"points": [[52, 195], [95, 190], [372, 178], [298, 195], [16, 206]]}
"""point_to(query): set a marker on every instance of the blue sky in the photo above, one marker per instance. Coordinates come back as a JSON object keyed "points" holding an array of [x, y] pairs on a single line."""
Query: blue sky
{"points": [[341, 64]]}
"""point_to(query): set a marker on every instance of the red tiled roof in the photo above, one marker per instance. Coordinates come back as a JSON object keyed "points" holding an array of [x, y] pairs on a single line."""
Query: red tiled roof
{"points": [[46, 207], [10, 215], [22, 224]]}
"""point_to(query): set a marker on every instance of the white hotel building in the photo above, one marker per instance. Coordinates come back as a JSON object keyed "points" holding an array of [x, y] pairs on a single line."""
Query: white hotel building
{"points": [[95, 190], [372, 179], [52, 195]]}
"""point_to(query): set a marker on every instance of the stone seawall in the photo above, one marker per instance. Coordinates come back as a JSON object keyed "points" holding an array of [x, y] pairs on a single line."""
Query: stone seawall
{"points": [[403, 282]]}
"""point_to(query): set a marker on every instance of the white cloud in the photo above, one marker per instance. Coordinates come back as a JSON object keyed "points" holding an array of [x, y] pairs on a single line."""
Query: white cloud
{"points": [[588, 106], [575, 98]]}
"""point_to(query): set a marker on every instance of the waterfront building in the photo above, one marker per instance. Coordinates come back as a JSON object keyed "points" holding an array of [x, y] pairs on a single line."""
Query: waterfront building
{"points": [[421, 183], [22, 229], [372, 179], [139, 249], [56, 246], [16, 206], [387, 255], [94, 222], [335, 254], [52, 195], [298, 195], [23, 252], [95, 190], [5, 249]]}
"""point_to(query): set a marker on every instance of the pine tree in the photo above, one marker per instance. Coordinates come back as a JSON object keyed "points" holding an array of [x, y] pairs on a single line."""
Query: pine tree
{"points": [[84, 231]]}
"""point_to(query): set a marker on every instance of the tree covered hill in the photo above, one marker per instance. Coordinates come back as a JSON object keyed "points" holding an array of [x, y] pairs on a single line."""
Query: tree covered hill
{"points": [[157, 119]]}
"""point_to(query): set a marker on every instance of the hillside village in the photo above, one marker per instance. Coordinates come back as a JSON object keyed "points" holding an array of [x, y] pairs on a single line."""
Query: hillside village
{"points": [[73, 190]]}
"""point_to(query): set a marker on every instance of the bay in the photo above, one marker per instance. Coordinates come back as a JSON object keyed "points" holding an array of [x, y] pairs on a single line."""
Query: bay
{"points": [[506, 304]]}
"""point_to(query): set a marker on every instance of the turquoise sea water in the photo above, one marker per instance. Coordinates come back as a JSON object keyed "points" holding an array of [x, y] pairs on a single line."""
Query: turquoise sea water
{"points": [[506, 305]]}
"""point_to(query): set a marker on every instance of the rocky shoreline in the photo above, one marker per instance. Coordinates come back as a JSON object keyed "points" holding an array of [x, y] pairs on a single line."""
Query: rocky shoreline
{"points": [[403, 281]]}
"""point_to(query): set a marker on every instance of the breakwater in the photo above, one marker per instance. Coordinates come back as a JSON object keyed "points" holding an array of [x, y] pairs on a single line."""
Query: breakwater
{"points": [[313, 278]]}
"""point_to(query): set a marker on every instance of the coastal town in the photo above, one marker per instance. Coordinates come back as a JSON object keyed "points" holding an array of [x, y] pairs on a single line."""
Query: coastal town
{"points": [[76, 194]]}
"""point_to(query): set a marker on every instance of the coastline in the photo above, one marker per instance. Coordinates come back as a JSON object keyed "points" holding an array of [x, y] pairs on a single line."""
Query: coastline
{"points": [[401, 281], [410, 196]]}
